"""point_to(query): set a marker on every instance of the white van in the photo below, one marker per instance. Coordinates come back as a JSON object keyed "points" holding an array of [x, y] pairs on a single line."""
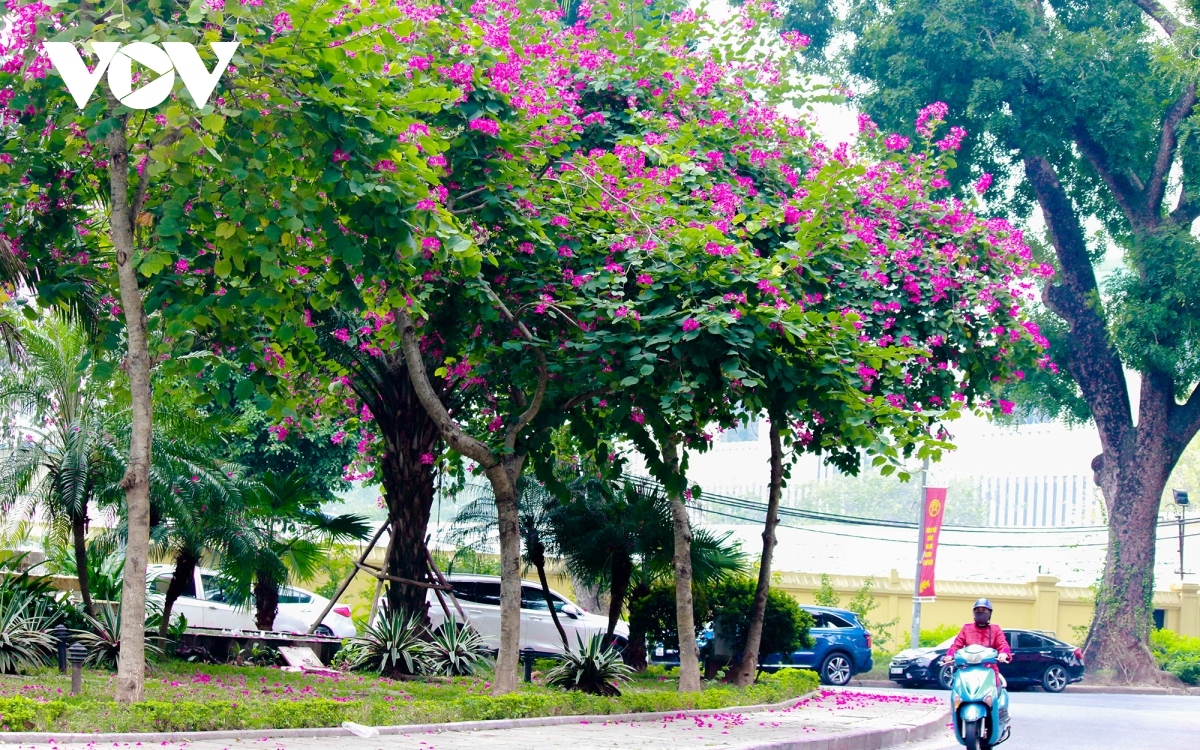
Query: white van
{"points": [[479, 596]]}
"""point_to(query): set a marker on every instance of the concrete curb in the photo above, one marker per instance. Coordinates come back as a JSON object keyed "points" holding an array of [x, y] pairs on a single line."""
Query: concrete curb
{"points": [[1073, 688], [453, 726], [864, 739]]}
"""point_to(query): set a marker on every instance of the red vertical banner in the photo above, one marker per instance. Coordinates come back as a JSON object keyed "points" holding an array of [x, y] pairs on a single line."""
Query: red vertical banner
{"points": [[935, 509]]}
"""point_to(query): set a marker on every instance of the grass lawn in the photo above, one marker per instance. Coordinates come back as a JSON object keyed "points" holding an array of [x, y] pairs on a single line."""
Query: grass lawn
{"points": [[181, 697]]}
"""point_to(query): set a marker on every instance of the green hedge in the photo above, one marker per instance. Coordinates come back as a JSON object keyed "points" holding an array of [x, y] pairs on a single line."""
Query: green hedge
{"points": [[378, 702]]}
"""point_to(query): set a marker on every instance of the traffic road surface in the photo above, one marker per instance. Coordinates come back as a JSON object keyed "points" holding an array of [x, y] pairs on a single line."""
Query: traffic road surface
{"points": [[1087, 721]]}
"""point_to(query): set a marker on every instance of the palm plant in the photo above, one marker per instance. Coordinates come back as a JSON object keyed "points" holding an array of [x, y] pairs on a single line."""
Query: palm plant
{"points": [[28, 610], [623, 538], [63, 454], [390, 645], [476, 525], [101, 636], [592, 668], [285, 535], [455, 650]]}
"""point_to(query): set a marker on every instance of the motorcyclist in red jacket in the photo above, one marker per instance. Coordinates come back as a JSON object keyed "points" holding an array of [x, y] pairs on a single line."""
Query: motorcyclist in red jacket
{"points": [[982, 633]]}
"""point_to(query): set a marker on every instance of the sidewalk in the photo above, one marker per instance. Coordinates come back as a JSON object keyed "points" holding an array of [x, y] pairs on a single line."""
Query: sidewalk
{"points": [[829, 720]]}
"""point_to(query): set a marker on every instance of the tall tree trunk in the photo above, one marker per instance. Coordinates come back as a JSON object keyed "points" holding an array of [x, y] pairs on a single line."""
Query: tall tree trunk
{"points": [[622, 571], [131, 665], [1132, 476], [635, 652], [748, 668], [79, 540], [537, 556], [408, 487], [266, 601], [685, 613], [185, 572], [503, 477]]}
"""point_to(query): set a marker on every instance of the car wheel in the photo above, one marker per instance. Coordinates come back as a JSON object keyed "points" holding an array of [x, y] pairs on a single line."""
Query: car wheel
{"points": [[945, 676], [323, 630], [836, 669], [1054, 679]]}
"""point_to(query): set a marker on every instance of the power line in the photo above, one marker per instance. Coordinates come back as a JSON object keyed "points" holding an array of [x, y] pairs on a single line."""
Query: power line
{"points": [[837, 518]]}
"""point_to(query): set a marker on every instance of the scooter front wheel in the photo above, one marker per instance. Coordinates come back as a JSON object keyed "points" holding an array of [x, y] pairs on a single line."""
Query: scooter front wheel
{"points": [[971, 735]]}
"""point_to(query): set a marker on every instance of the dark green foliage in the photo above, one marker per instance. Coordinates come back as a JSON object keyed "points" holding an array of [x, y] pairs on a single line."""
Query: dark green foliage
{"points": [[28, 610], [785, 625], [312, 452], [654, 613], [591, 668]]}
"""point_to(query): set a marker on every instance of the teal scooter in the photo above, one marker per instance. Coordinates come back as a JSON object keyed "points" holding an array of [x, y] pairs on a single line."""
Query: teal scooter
{"points": [[979, 706]]}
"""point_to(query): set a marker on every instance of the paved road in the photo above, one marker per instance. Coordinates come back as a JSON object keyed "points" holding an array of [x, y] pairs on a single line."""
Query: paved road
{"points": [[1088, 721]]}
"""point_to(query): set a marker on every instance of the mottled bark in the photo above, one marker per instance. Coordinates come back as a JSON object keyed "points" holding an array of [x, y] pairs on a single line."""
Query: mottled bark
{"points": [[408, 490], [79, 541], [748, 667], [503, 477], [123, 208], [185, 572]]}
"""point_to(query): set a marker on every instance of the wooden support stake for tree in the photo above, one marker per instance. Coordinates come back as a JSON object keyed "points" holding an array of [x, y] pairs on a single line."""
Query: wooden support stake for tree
{"points": [[346, 583], [445, 584]]}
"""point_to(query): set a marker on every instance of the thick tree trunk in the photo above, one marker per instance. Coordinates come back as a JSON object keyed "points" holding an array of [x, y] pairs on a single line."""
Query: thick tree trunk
{"points": [[503, 478], [1132, 476], [622, 571], [408, 486], [537, 556], [748, 668], [266, 601], [131, 665], [79, 540], [635, 652], [185, 571]]}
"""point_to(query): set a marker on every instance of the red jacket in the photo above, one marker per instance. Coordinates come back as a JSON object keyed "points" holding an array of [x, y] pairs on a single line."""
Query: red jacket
{"points": [[971, 634]]}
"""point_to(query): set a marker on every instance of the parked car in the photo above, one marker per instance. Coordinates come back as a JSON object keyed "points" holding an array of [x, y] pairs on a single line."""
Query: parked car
{"points": [[841, 647], [1038, 659], [479, 596], [204, 604]]}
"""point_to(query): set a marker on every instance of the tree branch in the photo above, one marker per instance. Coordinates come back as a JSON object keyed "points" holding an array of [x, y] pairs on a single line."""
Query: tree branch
{"points": [[1164, 17], [139, 196], [1128, 195], [1074, 296], [1167, 143], [460, 441]]}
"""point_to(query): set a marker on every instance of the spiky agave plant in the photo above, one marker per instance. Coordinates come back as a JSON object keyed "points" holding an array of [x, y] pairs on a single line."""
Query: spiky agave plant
{"points": [[455, 650], [593, 668], [391, 645], [102, 639]]}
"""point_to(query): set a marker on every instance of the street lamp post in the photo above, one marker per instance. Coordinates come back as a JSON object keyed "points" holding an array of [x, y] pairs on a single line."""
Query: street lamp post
{"points": [[915, 641]]}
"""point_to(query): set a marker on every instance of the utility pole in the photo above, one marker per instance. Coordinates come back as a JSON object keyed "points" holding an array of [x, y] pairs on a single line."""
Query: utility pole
{"points": [[916, 618], [1181, 502]]}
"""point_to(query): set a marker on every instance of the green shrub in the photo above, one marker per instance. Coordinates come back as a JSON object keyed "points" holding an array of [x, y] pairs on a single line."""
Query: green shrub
{"points": [[785, 625], [935, 636], [654, 614], [1178, 654], [20, 714], [392, 645], [455, 650]]}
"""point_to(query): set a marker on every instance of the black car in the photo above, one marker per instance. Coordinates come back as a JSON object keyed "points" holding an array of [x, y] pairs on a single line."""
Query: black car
{"points": [[1038, 659]]}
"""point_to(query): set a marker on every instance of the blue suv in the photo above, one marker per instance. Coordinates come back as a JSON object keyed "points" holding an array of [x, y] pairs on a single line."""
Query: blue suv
{"points": [[841, 647]]}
